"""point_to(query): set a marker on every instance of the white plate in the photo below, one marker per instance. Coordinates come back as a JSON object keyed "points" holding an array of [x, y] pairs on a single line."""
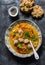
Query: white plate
{"points": [[7, 43]]}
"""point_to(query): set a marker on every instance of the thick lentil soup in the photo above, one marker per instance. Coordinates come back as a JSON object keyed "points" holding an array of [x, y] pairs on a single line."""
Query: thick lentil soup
{"points": [[20, 37]]}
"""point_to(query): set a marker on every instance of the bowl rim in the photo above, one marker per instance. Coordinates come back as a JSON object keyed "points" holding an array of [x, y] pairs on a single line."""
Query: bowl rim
{"points": [[9, 11], [7, 43]]}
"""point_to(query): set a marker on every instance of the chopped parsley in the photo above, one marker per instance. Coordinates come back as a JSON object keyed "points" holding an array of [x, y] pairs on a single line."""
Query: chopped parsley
{"points": [[27, 35]]}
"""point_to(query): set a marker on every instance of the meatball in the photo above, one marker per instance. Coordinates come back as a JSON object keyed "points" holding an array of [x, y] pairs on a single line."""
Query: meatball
{"points": [[29, 46], [20, 39], [15, 42], [20, 31], [26, 41]]}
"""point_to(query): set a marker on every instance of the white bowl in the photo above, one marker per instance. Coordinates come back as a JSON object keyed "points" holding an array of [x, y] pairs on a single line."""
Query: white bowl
{"points": [[7, 43], [9, 11]]}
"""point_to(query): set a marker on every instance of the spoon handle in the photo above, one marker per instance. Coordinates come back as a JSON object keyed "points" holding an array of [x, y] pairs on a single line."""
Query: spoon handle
{"points": [[35, 53]]}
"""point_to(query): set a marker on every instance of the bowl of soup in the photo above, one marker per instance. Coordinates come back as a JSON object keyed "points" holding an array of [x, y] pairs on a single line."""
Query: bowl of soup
{"points": [[18, 36]]}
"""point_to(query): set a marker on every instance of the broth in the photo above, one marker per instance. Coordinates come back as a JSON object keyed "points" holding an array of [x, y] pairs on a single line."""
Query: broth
{"points": [[25, 32]]}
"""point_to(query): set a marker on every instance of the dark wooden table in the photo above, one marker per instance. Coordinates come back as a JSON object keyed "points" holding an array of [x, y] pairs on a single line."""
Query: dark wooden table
{"points": [[6, 58]]}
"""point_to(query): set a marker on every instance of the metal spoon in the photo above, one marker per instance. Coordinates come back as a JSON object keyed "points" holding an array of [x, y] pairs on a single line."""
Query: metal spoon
{"points": [[34, 51]]}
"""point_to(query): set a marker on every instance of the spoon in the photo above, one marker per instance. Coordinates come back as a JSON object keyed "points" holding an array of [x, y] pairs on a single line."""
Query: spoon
{"points": [[34, 51]]}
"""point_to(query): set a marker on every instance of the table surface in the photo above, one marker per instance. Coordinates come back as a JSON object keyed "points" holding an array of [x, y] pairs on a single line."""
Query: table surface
{"points": [[6, 58]]}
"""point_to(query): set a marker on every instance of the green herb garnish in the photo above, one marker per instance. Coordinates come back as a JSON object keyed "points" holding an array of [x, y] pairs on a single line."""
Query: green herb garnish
{"points": [[19, 46], [27, 35], [14, 33], [33, 38]]}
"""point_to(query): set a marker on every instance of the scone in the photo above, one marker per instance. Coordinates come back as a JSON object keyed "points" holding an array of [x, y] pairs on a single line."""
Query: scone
{"points": [[26, 5], [37, 11]]}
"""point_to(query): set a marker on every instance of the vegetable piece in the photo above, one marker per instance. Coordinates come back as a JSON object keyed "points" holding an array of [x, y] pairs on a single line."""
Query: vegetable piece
{"points": [[27, 35], [33, 38], [27, 51], [23, 46], [19, 46]]}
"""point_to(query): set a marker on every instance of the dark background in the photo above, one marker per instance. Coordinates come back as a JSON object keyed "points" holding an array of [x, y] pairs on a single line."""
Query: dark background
{"points": [[6, 58]]}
